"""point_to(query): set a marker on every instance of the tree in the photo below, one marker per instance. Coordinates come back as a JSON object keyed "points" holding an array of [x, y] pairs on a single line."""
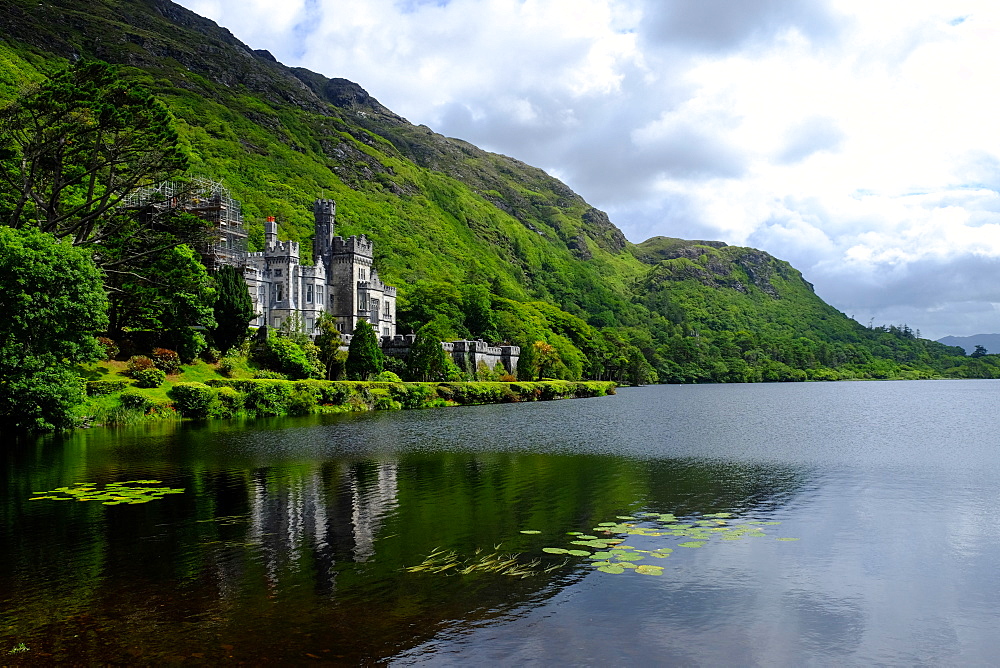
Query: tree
{"points": [[980, 351], [233, 309], [427, 360], [75, 147], [328, 341], [364, 356], [173, 293], [53, 304]]}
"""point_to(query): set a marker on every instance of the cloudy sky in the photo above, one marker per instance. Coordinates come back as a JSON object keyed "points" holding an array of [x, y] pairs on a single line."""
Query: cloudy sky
{"points": [[858, 140]]}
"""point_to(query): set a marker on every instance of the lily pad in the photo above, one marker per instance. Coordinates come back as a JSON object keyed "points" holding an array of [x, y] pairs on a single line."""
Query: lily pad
{"points": [[786, 539], [578, 553], [555, 550], [530, 531], [693, 544], [614, 569], [649, 570]]}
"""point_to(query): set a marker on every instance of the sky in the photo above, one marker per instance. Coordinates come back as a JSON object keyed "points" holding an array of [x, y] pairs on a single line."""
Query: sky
{"points": [[857, 140]]}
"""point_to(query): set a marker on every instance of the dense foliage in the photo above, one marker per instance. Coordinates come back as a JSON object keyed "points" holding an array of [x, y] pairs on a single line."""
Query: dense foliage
{"points": [[53, 305]]}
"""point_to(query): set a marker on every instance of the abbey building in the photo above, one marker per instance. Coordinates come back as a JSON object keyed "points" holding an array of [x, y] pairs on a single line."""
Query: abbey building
{"points": [[343, 280]]}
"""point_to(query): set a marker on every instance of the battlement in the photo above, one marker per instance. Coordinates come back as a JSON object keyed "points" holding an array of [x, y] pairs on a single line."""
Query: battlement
{"points": [[359, 245]]}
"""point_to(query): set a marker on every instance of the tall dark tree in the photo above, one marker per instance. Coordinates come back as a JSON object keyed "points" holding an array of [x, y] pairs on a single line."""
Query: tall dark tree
{"points": [[364, 356], [980, 351], [328, 341], [427, 359], [233, 309], [73, 149]]}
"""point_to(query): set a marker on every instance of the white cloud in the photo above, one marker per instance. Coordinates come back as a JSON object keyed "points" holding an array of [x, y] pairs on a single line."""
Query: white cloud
{"points": [[857, 140]]}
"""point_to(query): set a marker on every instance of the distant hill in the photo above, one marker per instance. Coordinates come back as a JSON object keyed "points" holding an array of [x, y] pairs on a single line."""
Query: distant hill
{"points": [[968, 343]]}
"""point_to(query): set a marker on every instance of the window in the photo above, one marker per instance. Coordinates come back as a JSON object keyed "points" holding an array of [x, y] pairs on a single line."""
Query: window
{"points": [[319, 295], [387, 308], [277, 323], [309, 325], [277, 273], [261, 294], [309, 294], [278, 296], [361, 273], [385, 331]]}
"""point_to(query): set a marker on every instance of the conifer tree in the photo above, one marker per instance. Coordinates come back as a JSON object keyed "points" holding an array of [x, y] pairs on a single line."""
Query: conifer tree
{"points": [[233, 309], [364, 356], [427, 359]]}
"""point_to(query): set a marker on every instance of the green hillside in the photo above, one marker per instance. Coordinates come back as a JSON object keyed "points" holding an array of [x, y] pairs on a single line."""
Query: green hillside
{"points": [[489, 245]]}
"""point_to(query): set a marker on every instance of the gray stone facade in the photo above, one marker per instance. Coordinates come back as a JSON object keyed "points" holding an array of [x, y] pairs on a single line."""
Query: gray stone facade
{"points": [[343, 281], [467, 355]]}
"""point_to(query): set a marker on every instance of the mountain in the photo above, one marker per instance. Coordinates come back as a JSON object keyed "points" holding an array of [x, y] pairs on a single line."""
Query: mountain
{"points": [[968, 343], [492, 246]]}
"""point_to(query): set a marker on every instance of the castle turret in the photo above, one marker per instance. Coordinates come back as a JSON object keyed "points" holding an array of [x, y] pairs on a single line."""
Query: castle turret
{"points": [[270, 233], [325, 212]]}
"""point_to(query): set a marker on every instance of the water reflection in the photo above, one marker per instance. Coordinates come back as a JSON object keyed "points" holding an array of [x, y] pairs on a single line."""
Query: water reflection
{"points": [[293, 537]]}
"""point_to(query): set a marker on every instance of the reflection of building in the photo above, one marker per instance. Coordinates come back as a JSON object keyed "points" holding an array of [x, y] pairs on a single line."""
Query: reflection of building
{"points": [[313, 519]]}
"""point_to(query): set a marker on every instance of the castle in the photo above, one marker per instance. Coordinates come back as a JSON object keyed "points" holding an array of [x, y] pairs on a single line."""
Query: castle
{"points": [[342, 282]]}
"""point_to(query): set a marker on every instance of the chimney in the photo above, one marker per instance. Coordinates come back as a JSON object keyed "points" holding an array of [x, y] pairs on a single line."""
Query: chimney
{"points": [[270, 233]]}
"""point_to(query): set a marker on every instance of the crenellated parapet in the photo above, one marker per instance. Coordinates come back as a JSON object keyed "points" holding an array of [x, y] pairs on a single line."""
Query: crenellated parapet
{"points": [[358, 245]]}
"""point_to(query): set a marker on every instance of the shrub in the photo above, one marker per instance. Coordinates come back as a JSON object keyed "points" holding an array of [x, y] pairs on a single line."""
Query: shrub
{"points": [[166, 360], [387, 377], [269, 375], [229, 403], [110, 347], [211, 355], [285, 356], [194, 400], [136, 401], [303, 399], [413, 395], [98, 388], [149, 378], [139, 363]]}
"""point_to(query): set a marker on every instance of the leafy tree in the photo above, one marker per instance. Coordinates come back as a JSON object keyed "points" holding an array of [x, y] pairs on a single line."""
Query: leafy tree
{"points": [[364, 356], [75, 147], [328, 341], [428, 300], [548, 359], [53, 304], [233, 309], [172, 294], [478, 312], [980, 351], [427, 359]]}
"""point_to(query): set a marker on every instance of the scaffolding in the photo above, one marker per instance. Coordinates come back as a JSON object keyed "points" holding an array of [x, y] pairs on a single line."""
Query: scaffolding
{"points": [[210, 201]]}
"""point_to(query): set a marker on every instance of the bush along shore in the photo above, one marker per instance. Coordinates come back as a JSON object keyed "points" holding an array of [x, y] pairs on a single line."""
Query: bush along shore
{"points": [[121, 403]]}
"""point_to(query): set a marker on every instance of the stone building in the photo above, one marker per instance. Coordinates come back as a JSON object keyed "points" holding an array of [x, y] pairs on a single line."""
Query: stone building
{"points": [[343, 280]]}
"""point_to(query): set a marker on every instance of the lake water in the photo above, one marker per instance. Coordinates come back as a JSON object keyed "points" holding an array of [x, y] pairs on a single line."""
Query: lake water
{"points": [[291, 541]]}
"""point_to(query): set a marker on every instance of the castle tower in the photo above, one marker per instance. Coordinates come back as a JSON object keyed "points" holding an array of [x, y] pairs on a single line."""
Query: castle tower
{"points": [[325, 213], [270, 233]]}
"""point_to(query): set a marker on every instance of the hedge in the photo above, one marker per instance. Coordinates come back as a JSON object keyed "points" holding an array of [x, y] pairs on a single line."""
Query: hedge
{"points": [[228, 398]]}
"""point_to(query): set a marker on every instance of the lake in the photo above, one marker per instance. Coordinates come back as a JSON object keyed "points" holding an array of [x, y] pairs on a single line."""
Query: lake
{"points": [[752, 525]]}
